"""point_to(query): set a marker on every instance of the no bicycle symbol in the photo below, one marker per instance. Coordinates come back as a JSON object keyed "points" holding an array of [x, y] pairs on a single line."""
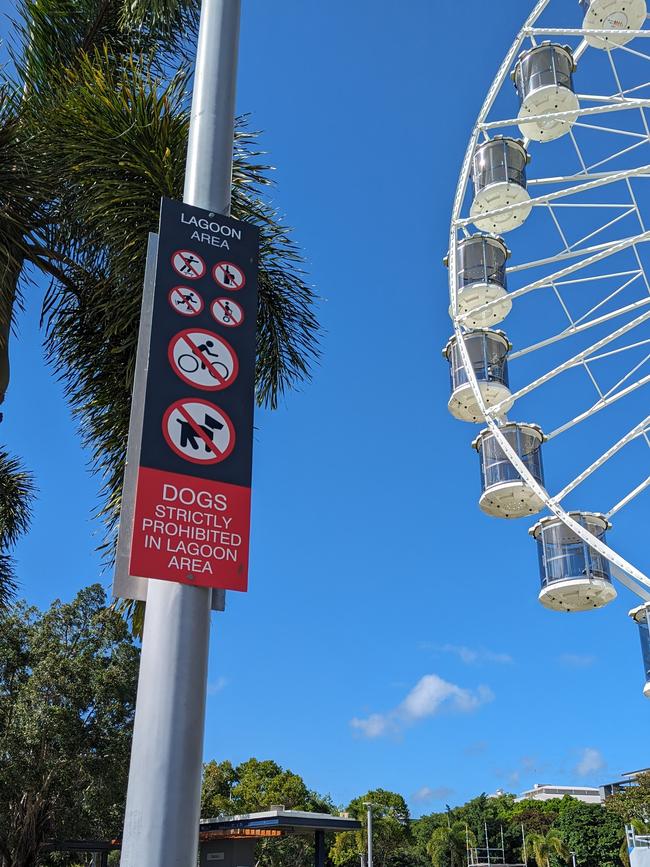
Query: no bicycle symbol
{"points": [[203, 359], [229, 275], [198, 431], [227, 312], [188, 264], [185, 301]]}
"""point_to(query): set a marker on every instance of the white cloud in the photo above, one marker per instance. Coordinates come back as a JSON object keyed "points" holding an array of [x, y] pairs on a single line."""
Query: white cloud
{"points": [[471, 655], [577, 660], [592, 760], [426, 793], [429, 695], [217, 685]]}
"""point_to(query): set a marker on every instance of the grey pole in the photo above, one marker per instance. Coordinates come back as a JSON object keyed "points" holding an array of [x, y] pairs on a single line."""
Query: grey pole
{"points": [[369, 809], [161, 824]]}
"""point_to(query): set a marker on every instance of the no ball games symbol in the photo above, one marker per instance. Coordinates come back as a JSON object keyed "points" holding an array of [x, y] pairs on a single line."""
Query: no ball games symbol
{"points": [[203, 359], [198, 431], [227, 312], [185, 301], [188, 264], [228, 275]]}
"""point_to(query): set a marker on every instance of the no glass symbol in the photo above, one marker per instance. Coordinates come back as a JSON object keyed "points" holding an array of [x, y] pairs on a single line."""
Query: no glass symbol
{"points": [[228, 275]]}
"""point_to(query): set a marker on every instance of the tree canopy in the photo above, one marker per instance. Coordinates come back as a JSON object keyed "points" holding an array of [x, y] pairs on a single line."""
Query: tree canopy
{"points": [[68, 680]]}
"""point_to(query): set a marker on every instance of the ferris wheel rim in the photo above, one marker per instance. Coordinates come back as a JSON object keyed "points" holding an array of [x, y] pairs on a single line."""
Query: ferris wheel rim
{"points": [[620, 565]]}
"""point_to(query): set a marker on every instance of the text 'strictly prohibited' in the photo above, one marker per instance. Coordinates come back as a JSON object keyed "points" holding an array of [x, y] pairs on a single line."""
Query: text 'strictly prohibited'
{"points": [[229, 275], [198, 431], [202, 359], [227, 312], [185, 301], [188, 264]]}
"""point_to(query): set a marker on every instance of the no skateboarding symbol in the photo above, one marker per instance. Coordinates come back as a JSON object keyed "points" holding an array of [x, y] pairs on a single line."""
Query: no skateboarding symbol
{"points": [[198, 431], [185, 301], [228, 276], [188, 264], [227, 312], [203, 359]]}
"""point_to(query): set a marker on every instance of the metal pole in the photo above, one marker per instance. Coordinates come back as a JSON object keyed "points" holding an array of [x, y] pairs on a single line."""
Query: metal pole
{"points": [[161, 825], [369, 809]]}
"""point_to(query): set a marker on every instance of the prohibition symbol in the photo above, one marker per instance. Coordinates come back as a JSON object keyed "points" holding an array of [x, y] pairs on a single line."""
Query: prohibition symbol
{"points": [[202, 359], [228, 276], [198, 431], [185, 301], [227, 312], [188, 264]]}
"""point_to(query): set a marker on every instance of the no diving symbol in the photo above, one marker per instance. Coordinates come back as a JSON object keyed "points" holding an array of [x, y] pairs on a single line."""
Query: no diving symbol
{"points": [[203, 359], [198, 431], [185, 301], [188, 264], [227, 312], [228, 275]]}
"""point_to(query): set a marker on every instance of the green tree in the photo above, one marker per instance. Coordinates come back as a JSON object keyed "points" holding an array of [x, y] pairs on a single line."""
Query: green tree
{"points": [[594, 834], [633, 802], [544, 847], [67, 693], [256, 785], [391, 829], [448, 845]]}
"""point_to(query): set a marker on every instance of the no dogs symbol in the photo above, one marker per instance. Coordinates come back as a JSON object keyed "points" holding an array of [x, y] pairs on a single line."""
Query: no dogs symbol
{"points": [[198, 431], [228, 275], [203, 359]]}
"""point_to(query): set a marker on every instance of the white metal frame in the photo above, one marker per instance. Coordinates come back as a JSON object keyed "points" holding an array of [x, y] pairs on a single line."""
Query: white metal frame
{"points": [[570, 187]]}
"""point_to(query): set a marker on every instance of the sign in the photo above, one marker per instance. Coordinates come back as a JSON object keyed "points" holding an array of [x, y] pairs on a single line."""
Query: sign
{"points": [[185, 301], [227, 312], [203, 359], [229, 276], [191, 518]]}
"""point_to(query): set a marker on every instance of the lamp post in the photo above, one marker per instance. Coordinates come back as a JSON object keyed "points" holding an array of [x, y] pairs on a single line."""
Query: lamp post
{"points": [[161, 824], [369, 805]]}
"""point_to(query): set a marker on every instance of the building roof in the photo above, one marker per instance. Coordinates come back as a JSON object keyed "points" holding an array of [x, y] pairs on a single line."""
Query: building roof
{"points": [[288, 821]]}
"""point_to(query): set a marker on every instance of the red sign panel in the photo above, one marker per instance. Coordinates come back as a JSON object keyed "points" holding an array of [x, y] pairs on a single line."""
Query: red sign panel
{"points": [[192, 505]]}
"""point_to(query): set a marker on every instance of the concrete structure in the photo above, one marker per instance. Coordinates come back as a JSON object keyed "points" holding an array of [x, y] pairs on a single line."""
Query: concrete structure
{"points": [[544, 792], [629, 779]]}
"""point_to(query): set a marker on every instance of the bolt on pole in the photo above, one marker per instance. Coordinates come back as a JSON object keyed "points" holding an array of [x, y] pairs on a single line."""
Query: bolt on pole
{"points": [[161, 824]]}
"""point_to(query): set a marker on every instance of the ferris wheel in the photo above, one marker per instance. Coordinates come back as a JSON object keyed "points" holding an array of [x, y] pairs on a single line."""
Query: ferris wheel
{"points": [[549, 275]]}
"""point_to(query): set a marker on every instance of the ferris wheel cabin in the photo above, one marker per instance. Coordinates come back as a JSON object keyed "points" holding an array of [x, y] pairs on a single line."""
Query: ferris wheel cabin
{"points": [[488, 355], [481, 279], [574, 576], [504, 494], [620, 15], [543, 78], [499, 177], [641, 616]]}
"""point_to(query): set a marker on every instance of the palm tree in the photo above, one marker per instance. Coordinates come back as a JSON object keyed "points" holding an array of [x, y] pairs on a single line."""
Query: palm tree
{"points": [[544, 846], [449, 844], [93, 131]]}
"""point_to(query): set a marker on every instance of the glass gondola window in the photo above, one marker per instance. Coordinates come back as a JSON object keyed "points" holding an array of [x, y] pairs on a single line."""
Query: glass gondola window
{"points": [[543, 79], [574, 576], [641, 616], [504, 493], [481, 279], [488, 356], [499, 178]]}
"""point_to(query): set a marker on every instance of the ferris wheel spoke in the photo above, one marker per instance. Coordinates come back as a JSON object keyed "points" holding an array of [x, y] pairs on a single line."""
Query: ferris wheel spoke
{"points": [[611, 130], [636, 431], [634, 493], [598, 406], [612, 105]]}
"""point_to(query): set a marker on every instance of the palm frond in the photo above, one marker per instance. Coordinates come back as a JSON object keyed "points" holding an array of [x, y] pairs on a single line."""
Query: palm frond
{"points": [[16, 497]]}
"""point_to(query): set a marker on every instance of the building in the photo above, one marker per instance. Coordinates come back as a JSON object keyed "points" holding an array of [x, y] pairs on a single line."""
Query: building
{"points": [[629, 779], [544, 792]]}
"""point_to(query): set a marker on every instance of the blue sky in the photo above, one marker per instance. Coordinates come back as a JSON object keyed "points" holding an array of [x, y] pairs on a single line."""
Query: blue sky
{"points": [[392, 635]]}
